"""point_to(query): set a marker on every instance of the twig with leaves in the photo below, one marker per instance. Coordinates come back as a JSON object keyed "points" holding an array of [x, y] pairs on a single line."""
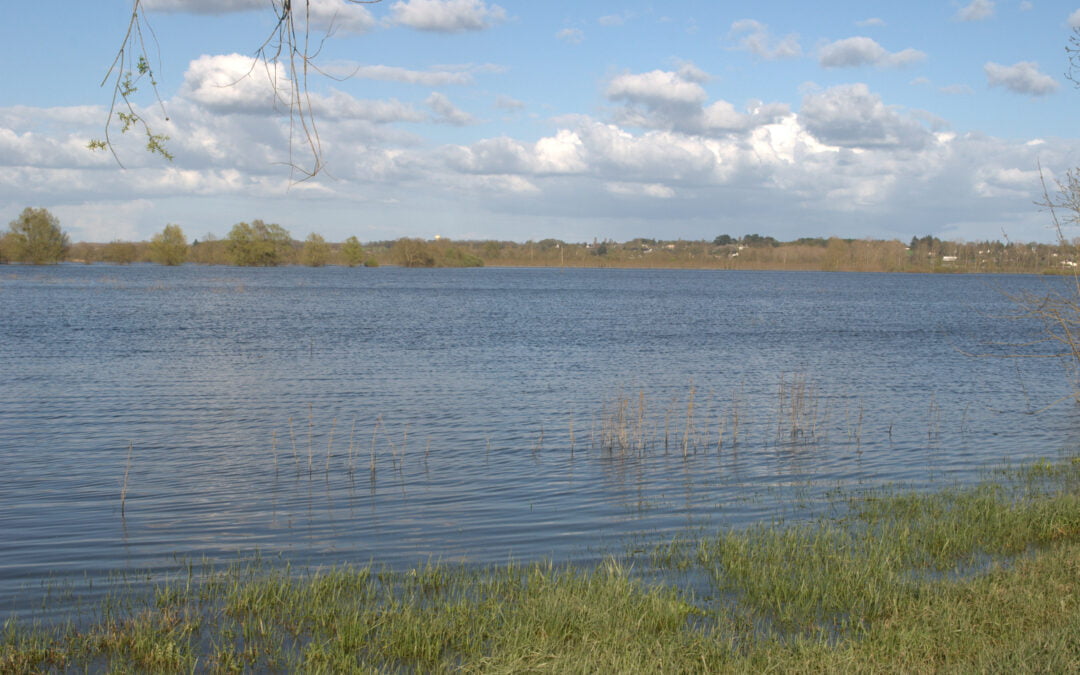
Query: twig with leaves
{"points": [[286, 46]]}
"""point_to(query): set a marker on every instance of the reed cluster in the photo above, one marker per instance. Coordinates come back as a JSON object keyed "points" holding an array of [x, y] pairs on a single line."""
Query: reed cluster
{"points": [[974, 578], [709, 421]]}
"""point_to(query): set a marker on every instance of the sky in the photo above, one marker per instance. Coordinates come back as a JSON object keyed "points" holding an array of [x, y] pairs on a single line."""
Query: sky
{"points": [[524, 120]]}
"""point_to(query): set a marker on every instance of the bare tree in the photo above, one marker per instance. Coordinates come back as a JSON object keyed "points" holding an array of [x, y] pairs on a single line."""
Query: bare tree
{"points": [[1072, 52], [288, 48], [1058, 310]]}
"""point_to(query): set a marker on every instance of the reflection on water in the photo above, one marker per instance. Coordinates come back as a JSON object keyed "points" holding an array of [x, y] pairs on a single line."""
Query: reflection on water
{"points": [[347, 415]]}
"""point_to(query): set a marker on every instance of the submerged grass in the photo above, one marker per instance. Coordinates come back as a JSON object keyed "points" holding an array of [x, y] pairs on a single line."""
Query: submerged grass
{"points": [[978, 578]]}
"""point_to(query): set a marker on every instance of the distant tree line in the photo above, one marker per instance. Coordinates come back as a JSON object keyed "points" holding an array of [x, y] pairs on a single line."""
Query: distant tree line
{"points": [[36, 237]]}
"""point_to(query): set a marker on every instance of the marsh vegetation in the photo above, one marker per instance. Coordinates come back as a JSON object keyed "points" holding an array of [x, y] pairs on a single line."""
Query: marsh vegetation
{"points": [[982, 577]]}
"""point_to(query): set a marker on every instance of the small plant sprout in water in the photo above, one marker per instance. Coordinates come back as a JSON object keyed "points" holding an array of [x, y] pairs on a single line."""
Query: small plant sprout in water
{"points": [[124, 486]]}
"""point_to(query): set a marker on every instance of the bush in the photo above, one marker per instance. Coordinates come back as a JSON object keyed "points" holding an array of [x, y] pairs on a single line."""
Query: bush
{"points": [[412, 253]]}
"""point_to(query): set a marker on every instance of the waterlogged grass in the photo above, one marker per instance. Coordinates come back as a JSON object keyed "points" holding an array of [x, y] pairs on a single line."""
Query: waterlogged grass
{"points": [[970, 579]]}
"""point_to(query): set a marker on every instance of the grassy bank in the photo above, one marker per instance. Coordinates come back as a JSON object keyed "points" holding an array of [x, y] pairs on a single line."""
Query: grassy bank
{"points": [[976, 578]]}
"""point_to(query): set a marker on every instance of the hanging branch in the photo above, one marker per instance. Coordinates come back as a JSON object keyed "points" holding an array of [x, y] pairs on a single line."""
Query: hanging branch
{"points": [[130, 66], [285, 46]]}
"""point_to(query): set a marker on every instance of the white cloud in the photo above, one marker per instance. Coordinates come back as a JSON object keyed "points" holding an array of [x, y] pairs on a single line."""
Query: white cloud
{"points": [[341, 15], [862, 51], [1074, 20], [656, 88], [653, 190], [851, 116], [447, 112], [689, 72], [461, 75], [235, 83], [561, 154], [753, 36], [676, 101], [572, 36], [847, 164], [204, 6], [103, 221], [446, 16], [1021, 78], [240, 84], [508, 103], [998, 181], [872, 21], [978, 10], [1026, 6]]}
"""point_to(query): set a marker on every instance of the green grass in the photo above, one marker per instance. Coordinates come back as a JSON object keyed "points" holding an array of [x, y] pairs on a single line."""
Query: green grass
{"points": [[965, 579]]}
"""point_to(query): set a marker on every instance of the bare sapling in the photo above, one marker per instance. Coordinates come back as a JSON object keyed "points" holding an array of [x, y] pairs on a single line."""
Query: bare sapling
{"points": [[295, 453], [310, 441], [329, 446], [688, 427], [124, 486], [571, 435]]}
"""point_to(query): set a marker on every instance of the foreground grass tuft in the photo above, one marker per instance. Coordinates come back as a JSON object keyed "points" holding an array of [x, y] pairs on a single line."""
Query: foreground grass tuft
{"points": [[979, 578]]}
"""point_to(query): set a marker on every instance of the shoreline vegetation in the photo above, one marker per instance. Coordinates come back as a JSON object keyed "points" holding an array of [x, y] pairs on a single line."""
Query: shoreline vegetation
{"points": [[36, 237], [927, 255], [982, 577]]}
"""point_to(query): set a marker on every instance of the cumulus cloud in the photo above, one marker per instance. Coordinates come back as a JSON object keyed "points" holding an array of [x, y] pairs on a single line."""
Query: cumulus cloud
{"points": [[872, 21], [753, 36], [562, 154], [851, 116], [322, 14], [1074, 20], [691, 73], [653, 190], [204, 6], [446, 16], [676, 101], [572, 36], [235, 83], [847, 164], [978, 10], [864, 51], [447, 112], [658, 88], [340, 15], [1023, 77], [460, 75], [505, 102]]}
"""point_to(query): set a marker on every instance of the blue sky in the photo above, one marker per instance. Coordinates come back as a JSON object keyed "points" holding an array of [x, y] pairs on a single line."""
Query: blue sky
{"points": [[526, 120]]}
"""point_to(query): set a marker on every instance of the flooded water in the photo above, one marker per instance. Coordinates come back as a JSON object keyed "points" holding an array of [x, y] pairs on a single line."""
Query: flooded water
{"points": [[394, 416]]}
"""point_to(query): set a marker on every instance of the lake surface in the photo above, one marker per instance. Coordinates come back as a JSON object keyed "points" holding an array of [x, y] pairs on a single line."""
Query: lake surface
{"points": [[508, 413]]}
